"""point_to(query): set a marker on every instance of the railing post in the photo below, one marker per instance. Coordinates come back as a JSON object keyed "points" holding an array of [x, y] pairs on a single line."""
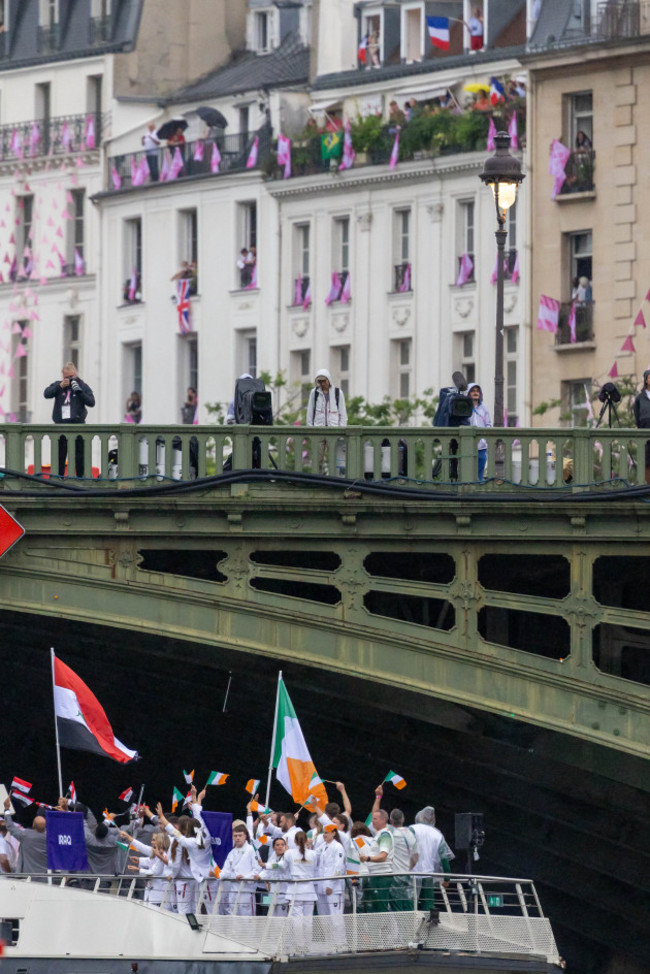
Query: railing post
{"points": [[241, 448], [15, 448]]}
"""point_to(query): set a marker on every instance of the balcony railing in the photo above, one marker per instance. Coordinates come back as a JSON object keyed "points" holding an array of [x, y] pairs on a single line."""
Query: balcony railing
{"points": [[625, 18], [100, 30], [198, 159], [579, 172], [63, 135], [402, 278], [49, 38], [584, 327], [571, 459]]}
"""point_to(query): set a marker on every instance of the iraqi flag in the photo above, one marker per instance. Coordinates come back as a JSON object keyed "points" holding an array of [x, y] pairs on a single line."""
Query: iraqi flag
{"points": [[294, 767], [80, 719], [18, 784], [438, 28]]}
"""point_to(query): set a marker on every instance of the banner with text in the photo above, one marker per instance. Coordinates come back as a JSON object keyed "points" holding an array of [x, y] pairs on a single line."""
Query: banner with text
{"points": [[66, 844]]}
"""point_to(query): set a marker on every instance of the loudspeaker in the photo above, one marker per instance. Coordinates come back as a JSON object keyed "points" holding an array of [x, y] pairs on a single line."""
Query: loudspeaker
{"points": [[468, 827]]}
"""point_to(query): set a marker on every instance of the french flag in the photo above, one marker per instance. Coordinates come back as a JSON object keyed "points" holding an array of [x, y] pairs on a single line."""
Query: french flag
{"points": [[438, 28], [80, 718], [362, 53], [497, 93]]}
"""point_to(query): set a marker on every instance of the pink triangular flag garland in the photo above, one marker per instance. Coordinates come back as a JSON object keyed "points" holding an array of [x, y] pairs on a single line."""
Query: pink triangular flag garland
{"points": [[628, 345], [640, 320]]}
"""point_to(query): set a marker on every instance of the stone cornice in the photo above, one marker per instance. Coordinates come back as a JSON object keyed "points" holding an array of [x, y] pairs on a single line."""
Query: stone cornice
{"points": [[470, 162]]}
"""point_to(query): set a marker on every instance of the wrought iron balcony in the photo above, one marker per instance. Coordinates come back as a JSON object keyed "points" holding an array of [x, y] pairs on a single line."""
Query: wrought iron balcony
{"points": [[192, 159], [579, 172], [100, 30], [49, 38], [63, 135], [584, 331], [622, 18]]}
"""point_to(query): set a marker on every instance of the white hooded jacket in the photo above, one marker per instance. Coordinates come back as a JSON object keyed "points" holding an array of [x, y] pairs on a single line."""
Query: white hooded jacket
{"points": [[323, 410]]}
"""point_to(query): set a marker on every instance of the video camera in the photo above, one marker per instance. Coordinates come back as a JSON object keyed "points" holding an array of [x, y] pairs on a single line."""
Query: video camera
{"points": [[253, 404], [454, 408]]}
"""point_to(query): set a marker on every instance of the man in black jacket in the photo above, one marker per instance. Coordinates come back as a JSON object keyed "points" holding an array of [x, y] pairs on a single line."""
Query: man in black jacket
{"points": [[71, 398]]}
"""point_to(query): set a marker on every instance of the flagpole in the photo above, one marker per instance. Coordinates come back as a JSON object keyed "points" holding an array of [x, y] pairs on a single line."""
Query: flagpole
{"points": [[275, 721], [56, 726]]}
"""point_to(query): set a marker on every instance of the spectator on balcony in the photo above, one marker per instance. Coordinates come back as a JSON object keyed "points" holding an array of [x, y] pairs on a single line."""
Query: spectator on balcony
{"points": [[189, 407], [395, 116], [151, 144], [244, 267], [579, 292], [476, 31], [133, 412], [583, 142], [641, 409], [482, 103], [373, 50]]}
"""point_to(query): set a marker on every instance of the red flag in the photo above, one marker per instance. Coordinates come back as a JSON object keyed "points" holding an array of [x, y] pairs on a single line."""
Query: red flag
{"points": [[80, 718]]}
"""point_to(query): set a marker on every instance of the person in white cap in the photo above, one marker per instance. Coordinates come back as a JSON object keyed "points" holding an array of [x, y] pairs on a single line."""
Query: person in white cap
{"points": [[326, 407]]}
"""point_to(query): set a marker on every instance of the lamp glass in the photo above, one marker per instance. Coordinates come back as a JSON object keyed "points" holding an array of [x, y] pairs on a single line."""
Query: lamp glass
{"points": [[504, 193]]}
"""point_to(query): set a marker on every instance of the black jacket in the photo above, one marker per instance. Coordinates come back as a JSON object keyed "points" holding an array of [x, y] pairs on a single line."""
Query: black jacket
{"points": [[642, 406], [78, 401]]}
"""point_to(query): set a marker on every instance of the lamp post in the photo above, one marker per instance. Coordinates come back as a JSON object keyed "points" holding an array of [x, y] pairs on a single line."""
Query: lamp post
{"points": [[502, 173]]}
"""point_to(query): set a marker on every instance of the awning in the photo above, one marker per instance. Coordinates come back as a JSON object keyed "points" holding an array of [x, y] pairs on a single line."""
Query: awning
{"points": [[323, 106], [424, 94]]}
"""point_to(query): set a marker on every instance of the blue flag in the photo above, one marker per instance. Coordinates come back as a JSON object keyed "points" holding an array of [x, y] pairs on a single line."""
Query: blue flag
{"points": [[219, 825], [66, 844]]}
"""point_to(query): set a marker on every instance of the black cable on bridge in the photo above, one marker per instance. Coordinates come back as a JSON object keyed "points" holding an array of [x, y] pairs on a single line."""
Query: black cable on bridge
{"points": [[377, 488]]}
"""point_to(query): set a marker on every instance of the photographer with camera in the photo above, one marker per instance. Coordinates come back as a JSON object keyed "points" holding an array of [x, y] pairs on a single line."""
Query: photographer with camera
{"points": [[642, 417], [71, 398]]}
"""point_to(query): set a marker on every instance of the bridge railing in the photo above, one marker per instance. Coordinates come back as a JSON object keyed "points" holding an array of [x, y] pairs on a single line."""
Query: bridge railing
{"points": [[544, 458]]}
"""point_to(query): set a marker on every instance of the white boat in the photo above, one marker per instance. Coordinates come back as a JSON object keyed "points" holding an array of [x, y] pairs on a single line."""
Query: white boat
{"points": [[65, 924]]}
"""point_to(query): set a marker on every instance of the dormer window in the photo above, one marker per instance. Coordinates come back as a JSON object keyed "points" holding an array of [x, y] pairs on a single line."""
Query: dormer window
{"points": [[261, 19], [48, 29], [49, 13]]}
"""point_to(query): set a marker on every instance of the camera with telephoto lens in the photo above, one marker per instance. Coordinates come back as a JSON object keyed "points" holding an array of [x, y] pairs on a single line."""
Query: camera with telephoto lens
{"points": [[609, 393]]}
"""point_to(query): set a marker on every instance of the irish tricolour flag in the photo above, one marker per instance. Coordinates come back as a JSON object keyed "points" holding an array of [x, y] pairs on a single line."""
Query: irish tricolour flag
{"points": [[81, 722], [217, 778], [395, 779], [294, 767]]}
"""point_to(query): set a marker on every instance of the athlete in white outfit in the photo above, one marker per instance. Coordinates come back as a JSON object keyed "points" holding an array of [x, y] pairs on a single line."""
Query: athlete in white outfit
{"points": [[238, 898], [155, 867], [279, 890], [301, 864]]}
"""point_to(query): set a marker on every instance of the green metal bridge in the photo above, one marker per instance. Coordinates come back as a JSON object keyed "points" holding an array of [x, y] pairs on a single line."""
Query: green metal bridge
{"points": [[491, 641], [525, 596]]}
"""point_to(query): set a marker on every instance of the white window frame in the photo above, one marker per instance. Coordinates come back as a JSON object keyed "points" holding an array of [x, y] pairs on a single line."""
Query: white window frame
{"points": [[72, 345], [342, 356], [341, 244], [579, 118], [466, 352], [510, 365], [576, 399], [133, 252], [466, 233], [21, 379], [370, 15], [403, 367], [405, 10], [73, 226], [48, 13]]}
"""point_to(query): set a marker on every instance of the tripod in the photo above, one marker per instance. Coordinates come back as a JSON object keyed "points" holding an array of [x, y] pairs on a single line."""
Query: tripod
{"points": [[610, 406]]}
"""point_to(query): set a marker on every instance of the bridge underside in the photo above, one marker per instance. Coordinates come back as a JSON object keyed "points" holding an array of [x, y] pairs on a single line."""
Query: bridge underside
{"points": [[568, 813]]}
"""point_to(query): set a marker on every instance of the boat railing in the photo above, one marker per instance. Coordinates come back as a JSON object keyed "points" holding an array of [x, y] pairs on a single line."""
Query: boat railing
{"points": [[449, 912]]}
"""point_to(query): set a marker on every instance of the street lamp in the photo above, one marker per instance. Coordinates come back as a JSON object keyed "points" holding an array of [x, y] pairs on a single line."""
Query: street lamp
{"points": [[502, 173]]}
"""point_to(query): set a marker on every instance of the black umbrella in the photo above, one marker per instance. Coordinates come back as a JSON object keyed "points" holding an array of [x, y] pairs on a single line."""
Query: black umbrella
{"points": [[211, 117], [167, 129]]}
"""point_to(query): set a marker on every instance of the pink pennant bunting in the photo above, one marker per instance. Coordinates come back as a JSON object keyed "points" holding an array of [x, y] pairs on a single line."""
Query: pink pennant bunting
{"points": [[34, 315], [44, 279], [59, 232], [69, 198], [640, 319], [21, 352], [50, 222], [12, 239], [27, 332], [10, 372], [613, 372], [16, 330], [49, 265], [628, 345], [66, 216]]}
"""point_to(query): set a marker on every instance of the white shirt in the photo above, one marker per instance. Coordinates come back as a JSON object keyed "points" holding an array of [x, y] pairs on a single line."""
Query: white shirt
{"points": [[150, 142], [431, 843], [405, 845], [331, 862], [475, 27], [241, 862]]}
